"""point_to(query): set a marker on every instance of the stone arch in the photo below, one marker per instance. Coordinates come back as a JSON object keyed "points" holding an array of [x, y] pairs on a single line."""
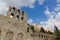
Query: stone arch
{"points": [[22, 18], [10, 8], [20, 36], [17, 17], [28, 29], [12, 15], [18, 11], [22, 13], [13, 9], [9, 36], [41, 36]]}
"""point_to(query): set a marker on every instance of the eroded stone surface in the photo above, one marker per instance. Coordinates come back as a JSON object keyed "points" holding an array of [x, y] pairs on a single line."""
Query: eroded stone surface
{"points": [[14, 27]]}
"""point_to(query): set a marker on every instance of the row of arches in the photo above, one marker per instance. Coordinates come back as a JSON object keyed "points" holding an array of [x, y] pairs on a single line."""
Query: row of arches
{"points": [[10, 35], [17, 11], [45, 37], [42, 36], [17, 17]]}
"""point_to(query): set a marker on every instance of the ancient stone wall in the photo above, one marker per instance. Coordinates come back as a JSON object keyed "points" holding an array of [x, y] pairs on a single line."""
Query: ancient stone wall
{"points": [[14, 27], [17, 14]]}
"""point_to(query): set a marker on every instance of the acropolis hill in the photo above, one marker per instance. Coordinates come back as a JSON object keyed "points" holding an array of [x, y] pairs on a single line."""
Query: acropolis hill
{"points": [[14, 27]]}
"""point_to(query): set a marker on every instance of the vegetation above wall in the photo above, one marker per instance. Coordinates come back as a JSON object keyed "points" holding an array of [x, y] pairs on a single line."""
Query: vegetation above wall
{"points": [[57, 33], [41, 30]]}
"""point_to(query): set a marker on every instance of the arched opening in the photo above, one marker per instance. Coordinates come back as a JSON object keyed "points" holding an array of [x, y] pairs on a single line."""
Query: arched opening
{"points": [[13, 9], [12, 15], [22, 18], [28, 29], [18, 11], [22, 13], [41, 36], [20, 36], [9, 36], [17, 17]]}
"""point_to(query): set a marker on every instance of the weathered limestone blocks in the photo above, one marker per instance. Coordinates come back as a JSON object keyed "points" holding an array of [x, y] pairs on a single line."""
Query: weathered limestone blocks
{"points": [[14, 27]]}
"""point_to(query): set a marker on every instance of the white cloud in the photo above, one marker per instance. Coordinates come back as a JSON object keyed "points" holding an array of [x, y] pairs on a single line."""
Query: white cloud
{"points": [[30, 21], [4, 4], [51, 20], [57, 8], [41, 1], [20, 3], [57, 19], [3, 8], [53, 17], [58, 1], [47, 12]]}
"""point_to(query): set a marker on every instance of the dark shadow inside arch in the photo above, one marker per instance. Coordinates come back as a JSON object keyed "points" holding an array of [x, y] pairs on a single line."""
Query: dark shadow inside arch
{"points": [[17, 17], [18, 11], [13, 10]]}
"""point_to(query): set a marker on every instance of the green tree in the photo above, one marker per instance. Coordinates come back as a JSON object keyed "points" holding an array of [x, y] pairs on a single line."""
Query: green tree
{"points": [[42, 30], [32, 28], [57, 33], [49, 32]]}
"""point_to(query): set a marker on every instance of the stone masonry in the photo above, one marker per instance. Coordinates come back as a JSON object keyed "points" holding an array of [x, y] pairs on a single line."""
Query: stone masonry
{"points": [[14, 27]]}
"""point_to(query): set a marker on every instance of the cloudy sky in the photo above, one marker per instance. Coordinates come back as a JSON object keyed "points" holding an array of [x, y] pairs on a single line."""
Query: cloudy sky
{"points": [[43, 12]]}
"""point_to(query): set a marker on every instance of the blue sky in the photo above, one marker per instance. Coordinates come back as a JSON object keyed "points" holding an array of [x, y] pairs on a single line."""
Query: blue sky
{"points": [[38, 11], [46, 13]]}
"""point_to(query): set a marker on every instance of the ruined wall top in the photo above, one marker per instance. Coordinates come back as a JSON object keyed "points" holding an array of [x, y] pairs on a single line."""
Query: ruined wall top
{"points": [[14, 12]]}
